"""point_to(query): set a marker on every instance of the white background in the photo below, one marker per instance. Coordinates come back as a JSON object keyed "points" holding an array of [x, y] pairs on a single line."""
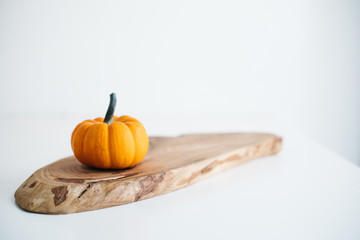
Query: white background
{"points": [[287, 67], [297, 61]]}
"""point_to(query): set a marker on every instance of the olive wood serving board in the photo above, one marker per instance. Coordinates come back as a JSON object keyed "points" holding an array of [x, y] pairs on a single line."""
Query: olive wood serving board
{"points": [[67, 186]]}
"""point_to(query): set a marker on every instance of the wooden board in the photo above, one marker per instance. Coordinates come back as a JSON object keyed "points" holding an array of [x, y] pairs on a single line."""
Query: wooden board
{"points": [[67, 186]]}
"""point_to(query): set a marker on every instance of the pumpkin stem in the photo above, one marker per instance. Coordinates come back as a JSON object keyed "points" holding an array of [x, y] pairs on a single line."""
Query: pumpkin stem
{"points": [[110, 112]]}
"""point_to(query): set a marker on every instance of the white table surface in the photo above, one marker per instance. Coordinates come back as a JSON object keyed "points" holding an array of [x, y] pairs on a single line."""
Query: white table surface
{"points": [[305, 192]]}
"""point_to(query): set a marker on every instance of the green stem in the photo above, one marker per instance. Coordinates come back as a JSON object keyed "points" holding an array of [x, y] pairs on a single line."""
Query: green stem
{"points": [[110, 112]]}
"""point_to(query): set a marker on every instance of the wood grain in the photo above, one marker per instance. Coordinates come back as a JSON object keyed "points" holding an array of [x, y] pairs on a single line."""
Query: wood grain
{"points": [[67, 186]]}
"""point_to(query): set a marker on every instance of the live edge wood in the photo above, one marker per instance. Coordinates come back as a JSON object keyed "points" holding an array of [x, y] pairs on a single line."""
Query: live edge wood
{"points": [[67, 186]]}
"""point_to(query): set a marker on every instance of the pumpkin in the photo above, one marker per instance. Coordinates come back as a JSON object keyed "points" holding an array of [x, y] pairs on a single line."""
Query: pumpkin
{"points": [[110, 143]]}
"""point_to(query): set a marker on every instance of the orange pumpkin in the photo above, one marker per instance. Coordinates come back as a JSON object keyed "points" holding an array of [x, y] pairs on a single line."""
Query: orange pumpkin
{"points": [[110, 143]]}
